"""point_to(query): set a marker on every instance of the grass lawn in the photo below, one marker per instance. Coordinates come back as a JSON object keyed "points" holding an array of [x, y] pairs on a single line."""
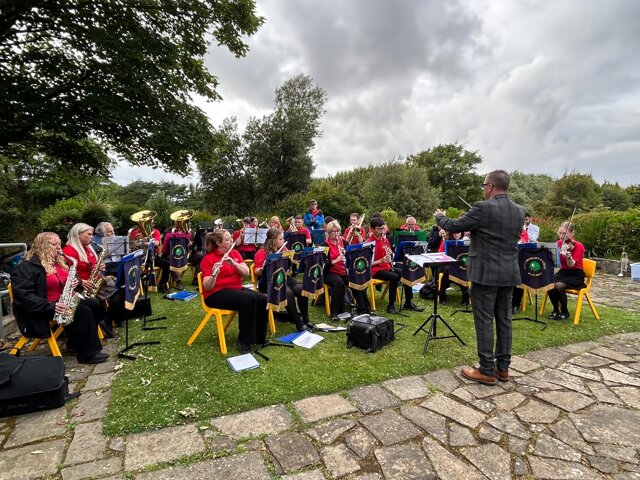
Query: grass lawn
{"points": [[166, 379]]}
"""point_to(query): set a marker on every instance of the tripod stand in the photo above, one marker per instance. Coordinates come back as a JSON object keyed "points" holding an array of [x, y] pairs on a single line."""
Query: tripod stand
{"points": [[430, 325], [535, 308], [142, 306]]}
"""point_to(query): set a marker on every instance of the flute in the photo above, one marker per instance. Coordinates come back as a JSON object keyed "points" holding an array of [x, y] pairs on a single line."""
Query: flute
{"points": [[216, 268]]}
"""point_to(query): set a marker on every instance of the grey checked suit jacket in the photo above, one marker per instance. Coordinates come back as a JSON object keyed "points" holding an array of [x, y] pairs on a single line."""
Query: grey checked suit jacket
{"points": [[495, 227]]}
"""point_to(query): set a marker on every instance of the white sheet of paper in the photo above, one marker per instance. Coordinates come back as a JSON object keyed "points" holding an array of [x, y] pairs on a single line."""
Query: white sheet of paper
{"points": [[243, 362], [308, 340]]}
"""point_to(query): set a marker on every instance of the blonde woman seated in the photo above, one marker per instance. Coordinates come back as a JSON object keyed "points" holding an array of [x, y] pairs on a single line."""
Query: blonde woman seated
{"points": [[275, 243], [38, 283], [222, 272]]}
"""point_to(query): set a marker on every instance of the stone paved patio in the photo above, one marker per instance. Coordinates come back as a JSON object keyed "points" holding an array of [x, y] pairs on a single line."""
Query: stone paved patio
{"points": [[568, 412]]}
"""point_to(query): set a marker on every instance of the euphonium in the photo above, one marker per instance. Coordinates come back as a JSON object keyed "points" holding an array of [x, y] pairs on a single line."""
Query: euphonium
{"points": [[95, 278], [143, 218], [70, 298], [181, 219]]}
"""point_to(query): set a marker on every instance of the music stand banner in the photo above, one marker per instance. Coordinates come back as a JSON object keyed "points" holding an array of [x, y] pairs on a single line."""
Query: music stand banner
{"points": [[358, 259], [295, 242], [312, 264], [458, 250], [318, 236], [412, 273], [177, 244], [149, 265], [275, 272], [131, 275], [536, 269]]}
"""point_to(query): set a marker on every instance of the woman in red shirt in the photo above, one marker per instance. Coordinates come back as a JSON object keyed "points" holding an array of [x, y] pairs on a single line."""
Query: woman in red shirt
{"points": [[37, 283], [570, 274], [274, 243], [222, 288], [335, 274]]}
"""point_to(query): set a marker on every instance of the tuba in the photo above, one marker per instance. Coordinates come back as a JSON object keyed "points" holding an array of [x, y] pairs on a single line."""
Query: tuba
{"points": [[143, 219], [181, 219]]}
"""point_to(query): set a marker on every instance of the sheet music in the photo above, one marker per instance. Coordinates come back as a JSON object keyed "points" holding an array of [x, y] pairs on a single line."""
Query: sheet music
{"points": [[431, 258], [308, 340], [116, 246]]}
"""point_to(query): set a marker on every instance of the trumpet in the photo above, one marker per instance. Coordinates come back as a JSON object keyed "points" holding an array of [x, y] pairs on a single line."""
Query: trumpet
{"points": [[356, 231], [216, 268], [264, 224]]}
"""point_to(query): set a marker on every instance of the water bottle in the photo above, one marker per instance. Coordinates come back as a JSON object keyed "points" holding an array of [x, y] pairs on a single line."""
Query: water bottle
{"points": [[624, 263]]}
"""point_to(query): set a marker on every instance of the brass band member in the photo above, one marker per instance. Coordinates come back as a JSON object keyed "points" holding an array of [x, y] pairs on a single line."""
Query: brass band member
{"points": [[410, 225], [382, 269], [38, 282], [274, 222], [335, 274], [355, 232], [275, 243], [161, 262], [300, 228], [222, 288], [247, 250]]}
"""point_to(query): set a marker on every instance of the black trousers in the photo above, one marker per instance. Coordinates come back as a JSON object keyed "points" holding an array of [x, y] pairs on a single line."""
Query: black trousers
{"points": [[165, 270], [339, 285], [294, 295], [82, 333], [252, 312], [393, 277]]}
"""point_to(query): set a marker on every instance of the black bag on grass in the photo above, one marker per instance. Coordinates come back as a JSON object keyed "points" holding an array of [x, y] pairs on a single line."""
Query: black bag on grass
{"points": [[428, 290], [370, 332], [32, 383]]}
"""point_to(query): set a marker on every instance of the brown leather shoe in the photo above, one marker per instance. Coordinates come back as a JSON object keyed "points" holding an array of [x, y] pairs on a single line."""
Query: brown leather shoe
{"points": [[477, 376], [502, 375]]}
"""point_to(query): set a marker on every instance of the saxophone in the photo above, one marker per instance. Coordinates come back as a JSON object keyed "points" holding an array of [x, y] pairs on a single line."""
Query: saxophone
{"points": [[95, 277], [70, 298]]}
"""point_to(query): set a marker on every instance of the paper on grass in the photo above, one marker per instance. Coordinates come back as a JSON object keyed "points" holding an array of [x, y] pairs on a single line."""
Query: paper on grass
{"points": [[308, 340], [243, 362]]}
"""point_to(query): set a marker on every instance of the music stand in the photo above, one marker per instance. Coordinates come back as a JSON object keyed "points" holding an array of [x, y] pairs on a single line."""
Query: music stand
{"points": [[399, 256], [122, 282], [540, 269], [434, 260], [459, 243], [148, 267]]}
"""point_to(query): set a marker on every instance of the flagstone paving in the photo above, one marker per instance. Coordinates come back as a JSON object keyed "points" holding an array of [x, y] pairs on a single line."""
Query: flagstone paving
{"points": [[568, 412]]}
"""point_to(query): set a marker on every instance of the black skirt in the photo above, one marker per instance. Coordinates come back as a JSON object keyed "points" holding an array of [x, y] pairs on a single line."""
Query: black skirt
{"points": [[571, 277]]}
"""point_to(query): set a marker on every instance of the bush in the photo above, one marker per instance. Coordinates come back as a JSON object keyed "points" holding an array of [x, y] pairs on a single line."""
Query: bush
{"points": [[94, 214], [121, 215], [62, 215]]}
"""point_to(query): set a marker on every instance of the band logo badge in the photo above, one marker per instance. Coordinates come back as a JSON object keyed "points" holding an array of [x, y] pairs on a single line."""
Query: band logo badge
{"points": [[133, 277], [279, 276], [178, 252], [534, 266], [315, 274]]}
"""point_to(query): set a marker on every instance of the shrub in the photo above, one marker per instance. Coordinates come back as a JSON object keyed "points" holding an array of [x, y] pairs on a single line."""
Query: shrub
{"points": [[121, 215]]}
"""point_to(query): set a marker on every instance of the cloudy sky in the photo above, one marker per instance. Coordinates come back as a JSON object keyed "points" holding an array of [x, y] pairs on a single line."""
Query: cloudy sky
{"points": [[542, 86]]}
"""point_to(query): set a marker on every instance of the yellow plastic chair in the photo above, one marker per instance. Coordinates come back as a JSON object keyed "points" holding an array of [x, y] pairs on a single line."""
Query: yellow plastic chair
{"points": [[51, 339], [252, 272], [372, 297], [221, 326], [589, 268]]}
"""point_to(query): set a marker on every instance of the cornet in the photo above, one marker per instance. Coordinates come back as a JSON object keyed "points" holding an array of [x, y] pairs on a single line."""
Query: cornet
{"points": [[292, 224]]}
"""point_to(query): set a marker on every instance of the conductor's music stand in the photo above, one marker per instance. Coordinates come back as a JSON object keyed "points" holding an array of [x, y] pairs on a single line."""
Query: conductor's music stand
{"points": [[122, 281], [430, 325]]}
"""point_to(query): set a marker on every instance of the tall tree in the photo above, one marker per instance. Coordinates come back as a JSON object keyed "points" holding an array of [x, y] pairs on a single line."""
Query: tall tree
{"points": [[451, 168], [228, 178], [615, 197], [120, 72], [573, 190], [280, 144], [529, 189]]}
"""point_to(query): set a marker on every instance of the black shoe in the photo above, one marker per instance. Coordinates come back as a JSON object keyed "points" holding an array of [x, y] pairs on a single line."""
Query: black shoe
{"points": [[164, 288], [179, 285], [243, 347], [365, 311], [413, 306], [391, 309], [443, 302], [99, 357], [310, 326], [553, 316], [562, 316], [301, 328]]}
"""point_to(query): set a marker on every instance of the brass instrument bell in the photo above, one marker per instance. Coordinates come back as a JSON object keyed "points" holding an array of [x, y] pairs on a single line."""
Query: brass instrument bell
{"points": [[144, 218], [181, 219]]}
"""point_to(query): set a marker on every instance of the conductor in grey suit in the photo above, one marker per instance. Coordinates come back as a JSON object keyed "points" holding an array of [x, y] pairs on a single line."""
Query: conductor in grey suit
{"points": [[495, 226]]}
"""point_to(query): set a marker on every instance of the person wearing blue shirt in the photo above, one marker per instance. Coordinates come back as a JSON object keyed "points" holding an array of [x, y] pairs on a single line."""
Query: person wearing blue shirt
{"points": [[314, 218]]}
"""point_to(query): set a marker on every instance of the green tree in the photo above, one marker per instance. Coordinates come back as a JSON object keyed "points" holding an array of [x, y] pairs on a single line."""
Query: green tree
{"points": [[634, 193], [451, 168], [279, 145], [615, 197], [403, 188], [228, 179], [570, 191], [334, 201], [121, 72], [528, 189]]}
